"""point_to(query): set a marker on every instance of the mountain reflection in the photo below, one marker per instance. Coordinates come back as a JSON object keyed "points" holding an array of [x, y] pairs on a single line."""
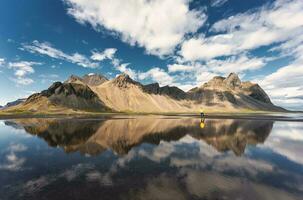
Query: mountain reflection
{"points": [[121, 135]]}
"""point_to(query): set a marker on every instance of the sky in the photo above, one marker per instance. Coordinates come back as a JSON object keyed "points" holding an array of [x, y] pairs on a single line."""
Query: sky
{"points": [[173, 42]]}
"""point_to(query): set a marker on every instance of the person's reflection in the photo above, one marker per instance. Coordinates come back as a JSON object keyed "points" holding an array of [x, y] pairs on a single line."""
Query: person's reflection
{"points": [[202, 123]]}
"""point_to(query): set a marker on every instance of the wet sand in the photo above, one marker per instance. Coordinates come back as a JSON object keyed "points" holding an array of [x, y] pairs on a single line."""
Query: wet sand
{"points": [[285, 116]]}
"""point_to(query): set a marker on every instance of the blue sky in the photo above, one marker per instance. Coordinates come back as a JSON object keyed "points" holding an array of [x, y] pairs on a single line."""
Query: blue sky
{"points": [[173, 42]]}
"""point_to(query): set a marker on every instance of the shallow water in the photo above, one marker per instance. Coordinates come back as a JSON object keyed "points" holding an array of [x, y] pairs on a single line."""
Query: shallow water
{"points": [[150, 158]]}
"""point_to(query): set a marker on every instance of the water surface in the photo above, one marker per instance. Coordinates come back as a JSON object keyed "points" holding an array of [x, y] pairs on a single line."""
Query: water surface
{"points": [[151, 157]]}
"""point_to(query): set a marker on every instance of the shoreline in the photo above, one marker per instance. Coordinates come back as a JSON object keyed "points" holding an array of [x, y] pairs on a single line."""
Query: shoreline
{"points": [[254, 115]]}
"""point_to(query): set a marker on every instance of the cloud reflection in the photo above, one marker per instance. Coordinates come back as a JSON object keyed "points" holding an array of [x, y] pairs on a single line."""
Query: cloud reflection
{"points": [[169, 157], [13, 162], [287, 140]]}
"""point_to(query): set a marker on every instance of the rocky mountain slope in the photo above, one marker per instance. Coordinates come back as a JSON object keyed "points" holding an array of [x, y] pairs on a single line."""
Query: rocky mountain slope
{"points": [[122, 94], [125, 94], [233, 93], [62, 97]]}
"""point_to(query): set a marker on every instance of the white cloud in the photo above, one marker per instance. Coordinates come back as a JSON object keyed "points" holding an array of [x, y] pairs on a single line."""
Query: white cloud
{"points": [[199, 73], [109, 54], [279, 24], [123, 68], [292, 48], [157, 74], [204, 76], [196, 72], [218, 3], [46, 48], [284, 86], [84, 42], [9, 40], [49, 78], [22, 69], [23, 81], [2, 61], [201, 48], [236, 64], [292, 73], [179, 68], [148, 23], [185, 87], [106, 54], [281, 21]]}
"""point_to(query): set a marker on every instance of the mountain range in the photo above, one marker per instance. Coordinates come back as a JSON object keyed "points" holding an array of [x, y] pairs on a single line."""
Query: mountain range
{"points": [[96, 93]]}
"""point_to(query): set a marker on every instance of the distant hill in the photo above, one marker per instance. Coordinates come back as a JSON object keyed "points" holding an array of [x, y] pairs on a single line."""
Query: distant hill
{"points": [[95, 93], [13, 103]]}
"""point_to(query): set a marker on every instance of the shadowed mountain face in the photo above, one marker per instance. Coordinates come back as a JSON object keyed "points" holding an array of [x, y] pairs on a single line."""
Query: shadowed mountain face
{"points": [[173, 92], [121, 135], [123, 94], [69, 95]]}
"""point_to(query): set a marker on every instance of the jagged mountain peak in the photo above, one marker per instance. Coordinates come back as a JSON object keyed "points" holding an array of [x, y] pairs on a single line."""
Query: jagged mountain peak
{"points": [[152, 88], [89, 79], [124, 80], [174, 92], [94, 79], [233, 80], [215, 82], [73, 78], [123, 76], [227, 88], [233, 75]]}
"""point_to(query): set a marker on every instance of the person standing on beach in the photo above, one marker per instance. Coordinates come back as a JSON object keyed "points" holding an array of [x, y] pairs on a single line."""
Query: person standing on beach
{"points": [[202, 112]]}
